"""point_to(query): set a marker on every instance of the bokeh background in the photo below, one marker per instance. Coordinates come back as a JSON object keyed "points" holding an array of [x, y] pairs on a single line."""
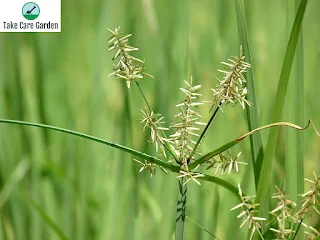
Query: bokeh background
{"points": [[91, 191]]}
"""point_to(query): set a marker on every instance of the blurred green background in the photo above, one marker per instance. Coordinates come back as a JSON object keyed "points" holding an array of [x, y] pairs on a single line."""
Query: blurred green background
{"points": [[91, 191]]}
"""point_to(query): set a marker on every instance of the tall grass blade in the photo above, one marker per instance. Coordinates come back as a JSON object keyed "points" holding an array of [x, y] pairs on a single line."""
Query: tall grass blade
{"points": [[45, 217], [252, 112], [201, 227], [13, 181], [111, 144], [230, 144], [278, 106], [294, 150]]}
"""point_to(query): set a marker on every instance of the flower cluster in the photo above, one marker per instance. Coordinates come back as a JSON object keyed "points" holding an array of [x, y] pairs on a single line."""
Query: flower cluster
{"points": [[190, 175], [150, 166], [225, 163], [230, 89], [128, 67], [311, 199], [188, 124], [283, 215], [248, 212], [286, 220], [154, 122]]}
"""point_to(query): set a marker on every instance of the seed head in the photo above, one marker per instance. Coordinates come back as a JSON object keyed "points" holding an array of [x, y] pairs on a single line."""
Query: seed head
{"points": [[230, 89], [128, 67], [188, 123]]}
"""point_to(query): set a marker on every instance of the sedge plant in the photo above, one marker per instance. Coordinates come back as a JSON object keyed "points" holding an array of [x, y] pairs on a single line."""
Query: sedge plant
{"points": [[177, 144]]}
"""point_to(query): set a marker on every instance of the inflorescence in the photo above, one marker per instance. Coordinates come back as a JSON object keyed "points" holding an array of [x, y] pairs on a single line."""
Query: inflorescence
{"points": [[128, 67], [230, 89], [185, 131], [286, 218]]}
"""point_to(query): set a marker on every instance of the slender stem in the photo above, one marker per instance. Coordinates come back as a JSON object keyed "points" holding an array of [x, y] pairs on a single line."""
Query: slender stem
{"points": [[204, 229], [181, 209], [150, 109], [260, 234], [296, 232], [204, 132], [143, 96]]}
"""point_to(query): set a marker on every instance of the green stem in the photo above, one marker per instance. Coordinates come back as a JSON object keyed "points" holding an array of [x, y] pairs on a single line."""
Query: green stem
{"points": [[223, 183], [204, 229], [203, 133], [181, 208], [143, 96], [296, 232], [147, 157]]}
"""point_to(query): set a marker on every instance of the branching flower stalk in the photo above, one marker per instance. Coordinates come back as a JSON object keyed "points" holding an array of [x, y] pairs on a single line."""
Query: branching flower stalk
{"points": [[229, 90], [188, 125], [130, 69], [283, 215]]}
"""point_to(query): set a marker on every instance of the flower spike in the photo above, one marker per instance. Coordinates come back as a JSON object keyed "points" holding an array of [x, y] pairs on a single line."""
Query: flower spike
{"points": [[128, 67], [230, 89]]}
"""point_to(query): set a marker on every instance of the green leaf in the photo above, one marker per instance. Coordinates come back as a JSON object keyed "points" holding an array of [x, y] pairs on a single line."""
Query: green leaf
{"points": [[223, 183], [252, 112], [230, 144], [295, 112], [45, 217], [147, 157], [13, 181]]}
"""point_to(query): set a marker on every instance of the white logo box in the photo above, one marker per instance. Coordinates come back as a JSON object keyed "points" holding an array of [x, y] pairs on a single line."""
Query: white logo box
{"points": [[46, 14]]}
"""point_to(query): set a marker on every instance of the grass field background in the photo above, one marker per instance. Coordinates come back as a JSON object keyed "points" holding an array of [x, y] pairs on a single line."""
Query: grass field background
{"points": [[91, 191]]}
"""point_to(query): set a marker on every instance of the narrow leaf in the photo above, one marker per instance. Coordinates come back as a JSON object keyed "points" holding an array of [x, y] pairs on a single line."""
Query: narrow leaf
{"points": [[13, 181], [45, 217], [252, 112], [92, 138]]}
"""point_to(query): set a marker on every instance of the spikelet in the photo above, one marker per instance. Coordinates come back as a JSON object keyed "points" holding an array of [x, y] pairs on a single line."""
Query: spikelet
{"points": [[248, 212], [225, 163], [311, 199], [188, 125], [230, 89], [283, 216], [128, 67], [154, 122]]}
